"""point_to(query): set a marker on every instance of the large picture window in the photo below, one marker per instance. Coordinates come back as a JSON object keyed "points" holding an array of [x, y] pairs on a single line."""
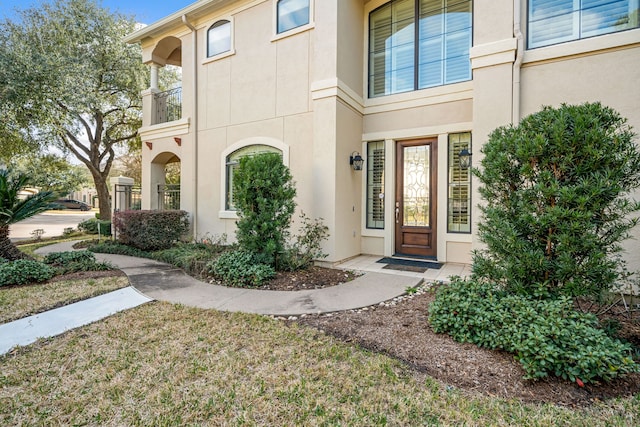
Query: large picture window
{"points": [[292, 14], [558, 21], [459, 194], [232, 163], [219, 38], [375, 185], [404, 56]]}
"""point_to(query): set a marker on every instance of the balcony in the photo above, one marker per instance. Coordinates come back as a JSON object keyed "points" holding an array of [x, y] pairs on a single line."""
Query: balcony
{"points": [[167, 106]]}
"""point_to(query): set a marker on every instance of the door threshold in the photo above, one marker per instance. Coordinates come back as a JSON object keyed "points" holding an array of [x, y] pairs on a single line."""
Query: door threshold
{"points": [[415, 257]]}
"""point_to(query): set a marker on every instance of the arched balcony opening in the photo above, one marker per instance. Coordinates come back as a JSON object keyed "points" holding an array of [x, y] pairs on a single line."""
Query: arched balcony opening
{"points": [[166, 105]]}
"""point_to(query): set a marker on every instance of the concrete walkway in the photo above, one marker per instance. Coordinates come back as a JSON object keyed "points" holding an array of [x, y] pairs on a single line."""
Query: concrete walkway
{"points": [[55, 322], [164, 282], [152, 280]]}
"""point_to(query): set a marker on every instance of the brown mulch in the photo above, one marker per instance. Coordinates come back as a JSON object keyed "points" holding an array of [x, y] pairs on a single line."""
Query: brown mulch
{"points": [[312, 278], [401, 330]]}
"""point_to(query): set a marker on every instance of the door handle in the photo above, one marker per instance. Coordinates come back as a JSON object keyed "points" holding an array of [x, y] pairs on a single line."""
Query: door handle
{"points": [[397, 213]]}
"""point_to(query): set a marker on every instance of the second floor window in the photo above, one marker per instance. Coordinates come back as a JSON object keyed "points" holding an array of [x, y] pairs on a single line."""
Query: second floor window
{"points": [[292, 14], [558, 21], [219, 38], [417, 44]]}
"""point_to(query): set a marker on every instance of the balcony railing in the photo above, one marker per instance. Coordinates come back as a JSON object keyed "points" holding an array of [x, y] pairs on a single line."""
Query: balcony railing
{"points": [[168, 105], [169, 197]]}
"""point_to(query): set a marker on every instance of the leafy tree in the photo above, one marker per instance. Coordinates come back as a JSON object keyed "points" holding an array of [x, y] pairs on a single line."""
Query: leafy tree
{"points": [[263, 194], [557, 201], [52, 173], [129, 165], [67, 79], [14, 208]]}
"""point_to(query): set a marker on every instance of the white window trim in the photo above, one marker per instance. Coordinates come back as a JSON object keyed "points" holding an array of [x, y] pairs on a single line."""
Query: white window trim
{"points": [[221, 55], [578, 47], [297, 30], [258, 140]]}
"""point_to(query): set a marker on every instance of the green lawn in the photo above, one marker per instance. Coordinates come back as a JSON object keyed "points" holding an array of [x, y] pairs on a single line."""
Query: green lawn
{"points": [[162, 364]]}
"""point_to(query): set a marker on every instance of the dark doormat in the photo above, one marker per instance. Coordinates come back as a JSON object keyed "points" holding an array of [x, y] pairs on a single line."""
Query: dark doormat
{"points": [[410, 263], [405, 268]]}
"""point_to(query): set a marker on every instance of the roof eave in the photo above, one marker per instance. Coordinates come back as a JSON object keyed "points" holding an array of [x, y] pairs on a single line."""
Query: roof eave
{"points": [[174, 20]]}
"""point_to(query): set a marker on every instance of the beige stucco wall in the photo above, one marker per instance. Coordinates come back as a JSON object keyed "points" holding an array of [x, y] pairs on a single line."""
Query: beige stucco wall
{"points": [[307, 92]]}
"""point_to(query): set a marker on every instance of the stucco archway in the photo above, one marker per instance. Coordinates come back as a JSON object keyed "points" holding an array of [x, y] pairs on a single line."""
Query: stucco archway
{"points": [[165, 181]]}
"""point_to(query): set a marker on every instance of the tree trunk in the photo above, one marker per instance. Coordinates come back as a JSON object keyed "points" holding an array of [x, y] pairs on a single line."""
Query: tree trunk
{"points": [[7, 249], [104, 200]]}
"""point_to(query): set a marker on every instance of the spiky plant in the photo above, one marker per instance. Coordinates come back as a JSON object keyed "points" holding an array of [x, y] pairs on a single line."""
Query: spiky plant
{"points": [[14, 209]]}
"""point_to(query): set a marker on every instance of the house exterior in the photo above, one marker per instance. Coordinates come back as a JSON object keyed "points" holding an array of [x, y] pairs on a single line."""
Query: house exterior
{"points": [[405, 84]]}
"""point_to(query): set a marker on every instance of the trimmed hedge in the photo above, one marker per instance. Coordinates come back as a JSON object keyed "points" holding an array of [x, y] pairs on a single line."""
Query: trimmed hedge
{"points": [[24, 271], [150, 230], [548, 337]]}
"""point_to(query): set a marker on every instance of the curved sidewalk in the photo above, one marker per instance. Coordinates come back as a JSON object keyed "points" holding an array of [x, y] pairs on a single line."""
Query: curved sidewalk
{"points": [[164, 282]]}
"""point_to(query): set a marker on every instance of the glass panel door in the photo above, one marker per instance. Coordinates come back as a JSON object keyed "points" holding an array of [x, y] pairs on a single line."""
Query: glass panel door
{"points": [[416, 186]]}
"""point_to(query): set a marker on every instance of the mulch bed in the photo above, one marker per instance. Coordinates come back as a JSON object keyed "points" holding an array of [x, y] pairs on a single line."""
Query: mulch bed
{"points": [[401, 330]]}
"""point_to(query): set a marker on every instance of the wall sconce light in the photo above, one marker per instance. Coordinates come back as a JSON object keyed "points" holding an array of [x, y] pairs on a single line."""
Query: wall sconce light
{"points": [[356, 161], [465, 158]]}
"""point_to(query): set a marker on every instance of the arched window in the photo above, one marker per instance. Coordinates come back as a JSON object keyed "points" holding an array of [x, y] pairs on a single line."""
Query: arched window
{"points": [[232, 162], [292, 14], [219, 38]]}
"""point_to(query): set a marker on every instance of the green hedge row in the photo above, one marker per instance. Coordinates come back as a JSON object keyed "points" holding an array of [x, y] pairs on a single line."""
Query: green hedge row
{"points": [[150, 230]]}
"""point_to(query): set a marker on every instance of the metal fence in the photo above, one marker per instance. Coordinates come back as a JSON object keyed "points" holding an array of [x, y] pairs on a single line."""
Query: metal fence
{"points": [[169, 197], [168, 105], [127, 197]]}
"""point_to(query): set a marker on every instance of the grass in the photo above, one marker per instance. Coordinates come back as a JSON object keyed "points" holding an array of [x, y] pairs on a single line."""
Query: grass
{"points": [[21, 301], [162, 364]]}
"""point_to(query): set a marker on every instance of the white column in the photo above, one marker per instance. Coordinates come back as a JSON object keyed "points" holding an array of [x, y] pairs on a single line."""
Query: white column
{"points": [[154, 75]]}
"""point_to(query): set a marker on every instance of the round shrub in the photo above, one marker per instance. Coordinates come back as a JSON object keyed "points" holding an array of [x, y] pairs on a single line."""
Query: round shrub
{"points": [[240, 268], [150, 230], [23, 271], [548, 337], [556, 201]]}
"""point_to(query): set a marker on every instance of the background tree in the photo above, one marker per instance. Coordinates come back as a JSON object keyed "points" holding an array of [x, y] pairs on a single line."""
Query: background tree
{"points": [[263, 193], [557, 201], [15, 208], [129, 165], [52, 173], [66, 78]]}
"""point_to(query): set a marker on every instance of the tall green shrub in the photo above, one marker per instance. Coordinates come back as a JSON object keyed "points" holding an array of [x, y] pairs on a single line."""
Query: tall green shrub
{"points": [[263, 194], [556, 201]]}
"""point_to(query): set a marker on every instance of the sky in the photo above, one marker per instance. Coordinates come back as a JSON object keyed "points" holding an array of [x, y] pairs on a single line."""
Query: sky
{"points": [[145, 11]]}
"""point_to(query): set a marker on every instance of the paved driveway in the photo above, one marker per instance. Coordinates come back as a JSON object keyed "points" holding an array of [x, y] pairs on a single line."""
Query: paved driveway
{"points": [[52, 222]]}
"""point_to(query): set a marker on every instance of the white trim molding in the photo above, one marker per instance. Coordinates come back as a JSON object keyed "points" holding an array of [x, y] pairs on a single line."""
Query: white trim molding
{"points": [[495, 53], [165, 130]]}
